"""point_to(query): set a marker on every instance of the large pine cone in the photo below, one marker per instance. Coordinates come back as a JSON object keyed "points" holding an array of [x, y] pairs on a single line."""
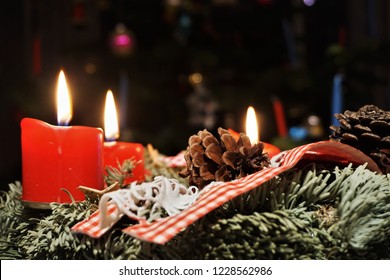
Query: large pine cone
{"points": [[368, 130], [221, 159]]}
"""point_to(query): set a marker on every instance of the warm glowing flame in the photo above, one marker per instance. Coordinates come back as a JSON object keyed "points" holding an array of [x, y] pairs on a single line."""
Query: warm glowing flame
{"points": [[111, 128], [64, 104], [252, 129]]}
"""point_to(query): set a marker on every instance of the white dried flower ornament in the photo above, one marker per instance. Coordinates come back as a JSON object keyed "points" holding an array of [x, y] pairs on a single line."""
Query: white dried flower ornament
{"points": [[147, 200]]}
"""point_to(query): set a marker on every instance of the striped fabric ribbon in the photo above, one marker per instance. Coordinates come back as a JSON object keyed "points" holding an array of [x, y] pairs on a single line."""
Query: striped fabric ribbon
{"points": [[218, 193], [175, 161]]}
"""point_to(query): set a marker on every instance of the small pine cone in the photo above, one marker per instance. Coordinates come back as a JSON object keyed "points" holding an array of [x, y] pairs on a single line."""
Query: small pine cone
{"points": [[368, 130], [221, 159]]}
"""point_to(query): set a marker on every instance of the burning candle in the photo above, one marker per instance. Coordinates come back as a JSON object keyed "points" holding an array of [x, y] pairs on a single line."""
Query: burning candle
{"points": [[58, 158], [117, 152], [252, 130]]}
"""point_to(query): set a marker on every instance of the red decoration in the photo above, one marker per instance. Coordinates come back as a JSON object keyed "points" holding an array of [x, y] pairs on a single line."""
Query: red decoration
{"points": [[56, 157], [280, 117], [118, 152], [78, 12], [270, 149]]}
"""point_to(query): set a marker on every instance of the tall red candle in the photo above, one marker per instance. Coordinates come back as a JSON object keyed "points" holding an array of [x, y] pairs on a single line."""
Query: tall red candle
{"points": [[280, 117], [59, 157], [117, 152]]}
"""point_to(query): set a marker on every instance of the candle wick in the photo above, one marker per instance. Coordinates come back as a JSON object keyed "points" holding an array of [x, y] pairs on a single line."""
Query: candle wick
{"points": [[110, 139], [62, 123]]}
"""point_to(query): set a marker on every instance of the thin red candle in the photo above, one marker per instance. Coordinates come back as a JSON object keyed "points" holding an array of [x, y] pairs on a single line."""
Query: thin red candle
{"points": [[280, 117], [117, 152], [58, 158]]}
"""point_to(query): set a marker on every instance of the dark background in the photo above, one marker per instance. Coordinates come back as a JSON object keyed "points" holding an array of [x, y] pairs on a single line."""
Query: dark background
{"points": [[246, 51]]}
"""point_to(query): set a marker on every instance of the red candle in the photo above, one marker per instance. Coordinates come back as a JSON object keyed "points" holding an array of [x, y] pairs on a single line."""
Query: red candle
{"points": [[280, 118], [59, 157], [117, 152], [252, 130], [270, 149]]}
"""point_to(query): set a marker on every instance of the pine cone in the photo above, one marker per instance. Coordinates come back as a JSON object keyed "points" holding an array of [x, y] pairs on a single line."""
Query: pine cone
{"points": [[368, 130], [224, 159]]}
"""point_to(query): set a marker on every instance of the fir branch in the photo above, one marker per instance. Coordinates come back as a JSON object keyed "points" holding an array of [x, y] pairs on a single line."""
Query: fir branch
{"points": [[294, 188], [114, 245], [10, 204], [364, 210], [282, 234], [51, 237], [10, 216], [8, 247], [158, 167], [121, 173]]}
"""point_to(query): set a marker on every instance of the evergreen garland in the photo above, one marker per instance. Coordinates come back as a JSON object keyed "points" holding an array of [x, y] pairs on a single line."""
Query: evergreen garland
{"points": [[10, 215], [309, 213]]}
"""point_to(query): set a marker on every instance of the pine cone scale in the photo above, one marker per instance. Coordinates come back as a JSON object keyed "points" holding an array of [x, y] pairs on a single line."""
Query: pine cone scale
{"points": [[214, 152], [230, 143], [204, 133], [194, 139], [345, 124], [205, 173], [195, 149], [230, 158], [209, 140], [385, 142], [380, 127], [223, 174], [244, 141], [361, 128], [198, 159]]}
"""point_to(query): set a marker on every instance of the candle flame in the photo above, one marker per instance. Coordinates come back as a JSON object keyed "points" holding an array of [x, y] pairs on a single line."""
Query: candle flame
{"points": [[252, 130], [111, 128], [64, 104]]}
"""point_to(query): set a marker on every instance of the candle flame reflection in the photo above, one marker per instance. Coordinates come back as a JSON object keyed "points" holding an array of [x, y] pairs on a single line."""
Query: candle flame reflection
{"points": [[252, 130], [111, 127], [64, 104]]}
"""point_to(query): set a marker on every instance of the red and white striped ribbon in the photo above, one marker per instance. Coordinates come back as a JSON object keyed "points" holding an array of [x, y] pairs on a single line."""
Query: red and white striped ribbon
{"points": [[218, 193], [175, 161], [91, 226]]}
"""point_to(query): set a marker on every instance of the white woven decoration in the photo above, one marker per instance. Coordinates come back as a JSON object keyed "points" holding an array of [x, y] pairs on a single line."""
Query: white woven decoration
{"points": [[147, 200]]}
